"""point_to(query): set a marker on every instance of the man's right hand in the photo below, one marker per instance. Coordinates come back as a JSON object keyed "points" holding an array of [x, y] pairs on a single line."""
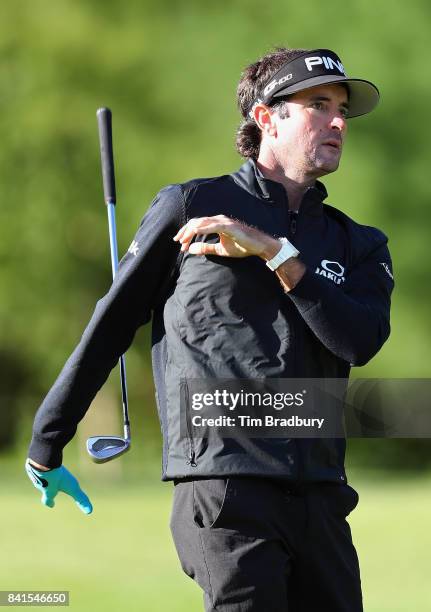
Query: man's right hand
{"points": [[50, 482]]}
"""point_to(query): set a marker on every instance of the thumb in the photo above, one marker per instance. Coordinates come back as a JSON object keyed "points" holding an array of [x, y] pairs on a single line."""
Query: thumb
{"points": [[205, 248]]}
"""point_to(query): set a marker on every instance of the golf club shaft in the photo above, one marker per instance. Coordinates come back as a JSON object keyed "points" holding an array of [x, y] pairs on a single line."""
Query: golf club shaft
{"points": [[104, 120], [114, 263]]}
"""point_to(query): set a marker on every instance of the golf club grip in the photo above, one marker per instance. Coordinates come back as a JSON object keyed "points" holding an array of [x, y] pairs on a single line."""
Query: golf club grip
{"points": [[104, 120]]}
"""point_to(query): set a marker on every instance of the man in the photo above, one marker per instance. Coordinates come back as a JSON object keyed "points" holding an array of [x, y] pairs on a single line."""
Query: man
{"points": [[269, 283]]}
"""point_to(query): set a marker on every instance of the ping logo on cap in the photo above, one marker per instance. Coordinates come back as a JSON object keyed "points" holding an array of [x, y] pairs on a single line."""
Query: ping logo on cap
{"points": [[328, 62], [311, 69]]}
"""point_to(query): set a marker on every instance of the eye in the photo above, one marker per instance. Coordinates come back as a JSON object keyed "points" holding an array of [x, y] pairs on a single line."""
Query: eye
{"points": [[344, 112], [317, 105]]}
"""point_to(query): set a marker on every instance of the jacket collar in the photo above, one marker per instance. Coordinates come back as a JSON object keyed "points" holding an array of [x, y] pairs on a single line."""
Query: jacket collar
{"points": [[252, 180]]}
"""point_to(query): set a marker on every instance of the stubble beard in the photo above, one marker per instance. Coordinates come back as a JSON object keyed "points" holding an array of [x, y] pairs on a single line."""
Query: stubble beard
{"points": [[319, 164], [312, 163]]}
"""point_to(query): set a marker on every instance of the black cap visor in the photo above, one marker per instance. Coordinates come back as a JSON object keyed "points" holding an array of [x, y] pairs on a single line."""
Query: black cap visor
{"points": [[314, 68], [363, 95]]}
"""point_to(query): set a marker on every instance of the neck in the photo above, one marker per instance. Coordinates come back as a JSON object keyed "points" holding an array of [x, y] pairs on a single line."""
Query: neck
{"points": [[294, 182]]}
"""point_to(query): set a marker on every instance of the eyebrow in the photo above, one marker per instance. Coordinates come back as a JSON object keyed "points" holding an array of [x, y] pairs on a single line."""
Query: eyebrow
{"points": [[326, 99]]}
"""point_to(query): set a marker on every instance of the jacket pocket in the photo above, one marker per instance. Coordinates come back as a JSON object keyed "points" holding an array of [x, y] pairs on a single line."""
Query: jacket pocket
{"points": [[210, 502], [185, 408], [341, 500]]}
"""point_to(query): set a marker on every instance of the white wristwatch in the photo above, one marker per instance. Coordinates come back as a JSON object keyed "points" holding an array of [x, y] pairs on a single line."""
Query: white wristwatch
{"points": [[286, 252]]}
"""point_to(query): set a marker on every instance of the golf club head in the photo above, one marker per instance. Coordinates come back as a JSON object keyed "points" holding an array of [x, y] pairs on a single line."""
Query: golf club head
{"points": [[105, 448]]}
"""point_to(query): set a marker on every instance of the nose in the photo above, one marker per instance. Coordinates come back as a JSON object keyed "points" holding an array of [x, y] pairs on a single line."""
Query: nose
{"points": [[338, 122]]}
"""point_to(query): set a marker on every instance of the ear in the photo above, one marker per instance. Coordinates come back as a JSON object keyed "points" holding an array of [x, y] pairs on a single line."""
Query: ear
{"points": [[265, 119]]}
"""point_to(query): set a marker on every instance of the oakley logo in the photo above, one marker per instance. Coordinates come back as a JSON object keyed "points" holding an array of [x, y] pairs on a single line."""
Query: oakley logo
{"points": [[332, 270], [133, 248], [328, 62], [275, 83], [388, 270]]}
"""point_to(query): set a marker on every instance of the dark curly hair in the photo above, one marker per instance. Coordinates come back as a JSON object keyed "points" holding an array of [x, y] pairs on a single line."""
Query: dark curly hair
{"points": [[252, 80]]}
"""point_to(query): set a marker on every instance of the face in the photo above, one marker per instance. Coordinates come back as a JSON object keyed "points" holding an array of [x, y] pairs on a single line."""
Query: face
{"points": [[308, 142]]}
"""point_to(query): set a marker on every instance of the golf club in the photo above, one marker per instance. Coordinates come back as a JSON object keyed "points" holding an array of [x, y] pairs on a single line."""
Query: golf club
{"points": [[105, 448]]}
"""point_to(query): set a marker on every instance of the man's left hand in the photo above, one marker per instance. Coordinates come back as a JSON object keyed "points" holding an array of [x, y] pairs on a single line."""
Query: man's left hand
{"points": [[236, 238]]}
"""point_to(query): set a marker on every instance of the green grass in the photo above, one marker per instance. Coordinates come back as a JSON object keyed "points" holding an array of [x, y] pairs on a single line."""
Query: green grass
{"points": [[118, 558], [122, 558], [391, 531]]}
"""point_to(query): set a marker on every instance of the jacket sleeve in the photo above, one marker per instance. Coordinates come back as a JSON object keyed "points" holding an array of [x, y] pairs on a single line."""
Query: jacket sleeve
{"points": [[353, 323], [143, 274]]}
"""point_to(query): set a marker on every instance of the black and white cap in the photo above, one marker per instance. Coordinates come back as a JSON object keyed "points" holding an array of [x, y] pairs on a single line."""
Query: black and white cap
{"points": [[318, 67]]}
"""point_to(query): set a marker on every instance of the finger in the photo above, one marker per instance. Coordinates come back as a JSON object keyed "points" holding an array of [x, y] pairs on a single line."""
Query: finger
{"points": [[74, 490], [188, 227], [189, 233], [179, 233], [202, 225], [83, 502], [213, 228], [205, 248], [186, 242], [48, 499], [185, 237]]}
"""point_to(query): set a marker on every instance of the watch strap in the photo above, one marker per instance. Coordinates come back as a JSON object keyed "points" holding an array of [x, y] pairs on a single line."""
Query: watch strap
{"points": [[286, 252]]}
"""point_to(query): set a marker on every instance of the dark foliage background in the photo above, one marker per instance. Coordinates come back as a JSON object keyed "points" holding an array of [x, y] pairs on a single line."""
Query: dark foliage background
{"points": [[168, 70]]}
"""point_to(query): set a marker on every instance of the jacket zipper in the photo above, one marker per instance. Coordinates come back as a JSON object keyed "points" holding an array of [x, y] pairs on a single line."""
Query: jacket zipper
{"points": [[293, 217], [292, 222], [191, 460]]}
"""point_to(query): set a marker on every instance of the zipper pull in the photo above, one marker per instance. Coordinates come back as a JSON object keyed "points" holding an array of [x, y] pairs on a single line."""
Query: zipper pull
{"points": [[191, 460]]}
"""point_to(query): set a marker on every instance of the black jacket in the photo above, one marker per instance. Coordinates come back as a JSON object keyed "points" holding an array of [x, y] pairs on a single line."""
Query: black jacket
{"points": [[221, 317]]}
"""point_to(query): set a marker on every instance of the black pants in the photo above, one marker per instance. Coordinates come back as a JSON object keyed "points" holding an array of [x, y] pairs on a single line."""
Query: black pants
{"points": [[260, 545]]}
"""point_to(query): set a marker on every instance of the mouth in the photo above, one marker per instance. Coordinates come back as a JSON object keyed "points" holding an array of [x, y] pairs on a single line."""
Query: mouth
{"points": [[333, 144]]}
